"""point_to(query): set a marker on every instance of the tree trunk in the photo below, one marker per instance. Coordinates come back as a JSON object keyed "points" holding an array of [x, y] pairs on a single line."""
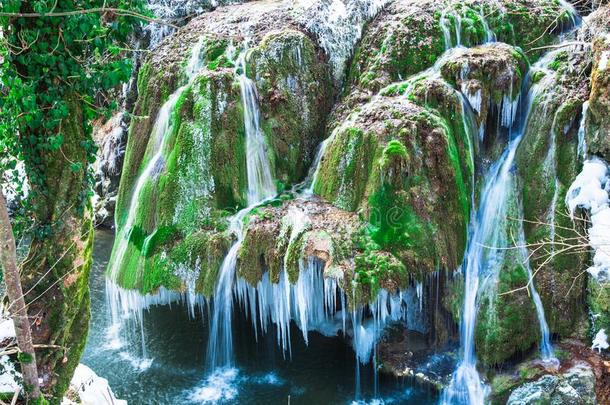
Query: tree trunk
{"points": [[57, 267], [8, 261]]}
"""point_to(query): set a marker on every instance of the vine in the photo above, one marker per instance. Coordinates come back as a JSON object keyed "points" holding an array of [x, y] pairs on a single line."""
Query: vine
{"points": [[66, 58]]}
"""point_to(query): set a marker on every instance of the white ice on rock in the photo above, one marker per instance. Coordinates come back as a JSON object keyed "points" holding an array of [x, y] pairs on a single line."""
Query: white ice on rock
{"points": [[338, 24], [590, 191], [7, 368], [91, 389], [600, 342]]}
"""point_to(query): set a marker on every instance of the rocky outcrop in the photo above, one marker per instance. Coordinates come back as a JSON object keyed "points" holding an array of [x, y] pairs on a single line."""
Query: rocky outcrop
{"points": [[396, 180], [548, 161], [409, 36], [575, 386], [394, 159], [598, 125], [204, 173], [281, 234], [110, 138]]}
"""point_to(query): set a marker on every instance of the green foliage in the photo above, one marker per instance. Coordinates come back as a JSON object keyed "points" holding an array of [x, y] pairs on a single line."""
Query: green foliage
{"points": [[47, 66]]}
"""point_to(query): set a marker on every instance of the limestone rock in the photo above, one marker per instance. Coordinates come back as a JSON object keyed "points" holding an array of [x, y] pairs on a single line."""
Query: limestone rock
{"points": [[575, 386]]}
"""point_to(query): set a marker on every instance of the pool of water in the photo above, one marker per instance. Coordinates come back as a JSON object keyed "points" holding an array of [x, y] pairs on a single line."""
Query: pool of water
{"points": [[173, 369]]}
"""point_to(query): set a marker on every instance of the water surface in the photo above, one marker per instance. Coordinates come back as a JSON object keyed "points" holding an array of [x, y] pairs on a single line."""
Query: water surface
{"points": [[174, 369]]}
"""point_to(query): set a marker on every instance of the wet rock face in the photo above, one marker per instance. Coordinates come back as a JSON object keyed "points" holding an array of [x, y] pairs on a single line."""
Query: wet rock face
{"points": [[398, 154], [203, 170], [598, 136], [282, 234], [397, 178], [409, 36], [394, 159], [110, 138], [575, 386], [490, 77], [548, 160]]}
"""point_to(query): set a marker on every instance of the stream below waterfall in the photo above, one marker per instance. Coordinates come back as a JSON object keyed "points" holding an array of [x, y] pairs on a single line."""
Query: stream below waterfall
{"points": [[321, 373]]}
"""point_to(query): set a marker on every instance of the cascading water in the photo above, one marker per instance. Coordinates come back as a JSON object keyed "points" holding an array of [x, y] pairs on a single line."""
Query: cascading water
{"points": [[446, 25], [582, 132], [125, 303], [465, 386], [484, 255], [546, 349], [260, 180], [261, 186], [156, 146]]}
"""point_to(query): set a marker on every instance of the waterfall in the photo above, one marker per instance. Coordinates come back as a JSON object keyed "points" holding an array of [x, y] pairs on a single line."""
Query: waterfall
{"points": [[260, 180], [481, 263], [124, 304], [261, 187], [582, 132], [465, 386], [220, 344], [446, 26], [484, 254], [157, 144], [546, 349]]}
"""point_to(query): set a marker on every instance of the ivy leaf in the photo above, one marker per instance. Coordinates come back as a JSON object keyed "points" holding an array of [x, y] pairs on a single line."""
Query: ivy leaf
{"points": [[76, 167]]}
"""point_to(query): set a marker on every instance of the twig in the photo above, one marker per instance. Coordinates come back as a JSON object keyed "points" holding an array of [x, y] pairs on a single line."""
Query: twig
{"points": [[562, 45]]}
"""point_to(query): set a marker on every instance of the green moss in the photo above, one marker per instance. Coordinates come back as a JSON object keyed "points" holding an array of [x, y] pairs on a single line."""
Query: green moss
{"points": [[394, 151], [504, 326], [374, 267], [347, 164], [296, 95], [599, 305]]}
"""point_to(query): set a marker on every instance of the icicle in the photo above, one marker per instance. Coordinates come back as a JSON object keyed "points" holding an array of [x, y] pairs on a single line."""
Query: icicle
{"points": [[419, 287]]}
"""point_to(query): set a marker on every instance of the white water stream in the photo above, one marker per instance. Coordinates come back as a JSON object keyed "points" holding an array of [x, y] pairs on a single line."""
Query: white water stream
{"points": [[261, 187]]}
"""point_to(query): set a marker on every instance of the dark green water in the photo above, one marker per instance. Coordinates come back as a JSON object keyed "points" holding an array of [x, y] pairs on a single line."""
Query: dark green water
{"points": [[321, 373]]}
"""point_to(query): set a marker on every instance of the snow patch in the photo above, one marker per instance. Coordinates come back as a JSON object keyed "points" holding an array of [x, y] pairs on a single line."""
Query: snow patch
{"points": [[590, 191], [7, 329], [603, 60], [600, 342], [7, 375], [92, 389]]}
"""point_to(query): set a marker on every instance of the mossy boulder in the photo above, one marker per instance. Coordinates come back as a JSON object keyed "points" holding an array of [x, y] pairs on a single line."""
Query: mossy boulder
{"points": [[200, 178], [285, 233], [391, 162], [395, 159], [490, 77], [296, 95], [408, 37]]}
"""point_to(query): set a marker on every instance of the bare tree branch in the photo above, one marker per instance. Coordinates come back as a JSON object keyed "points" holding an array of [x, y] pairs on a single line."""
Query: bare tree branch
{"points": [[117, 11]]}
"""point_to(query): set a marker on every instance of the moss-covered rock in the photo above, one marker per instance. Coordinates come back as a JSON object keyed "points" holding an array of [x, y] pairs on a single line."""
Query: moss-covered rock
{"points": [[408, 37], [296, 95], [394, 158], [282, 234], [201, 175], [547, 162], [391, 162], [598, 126]]}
